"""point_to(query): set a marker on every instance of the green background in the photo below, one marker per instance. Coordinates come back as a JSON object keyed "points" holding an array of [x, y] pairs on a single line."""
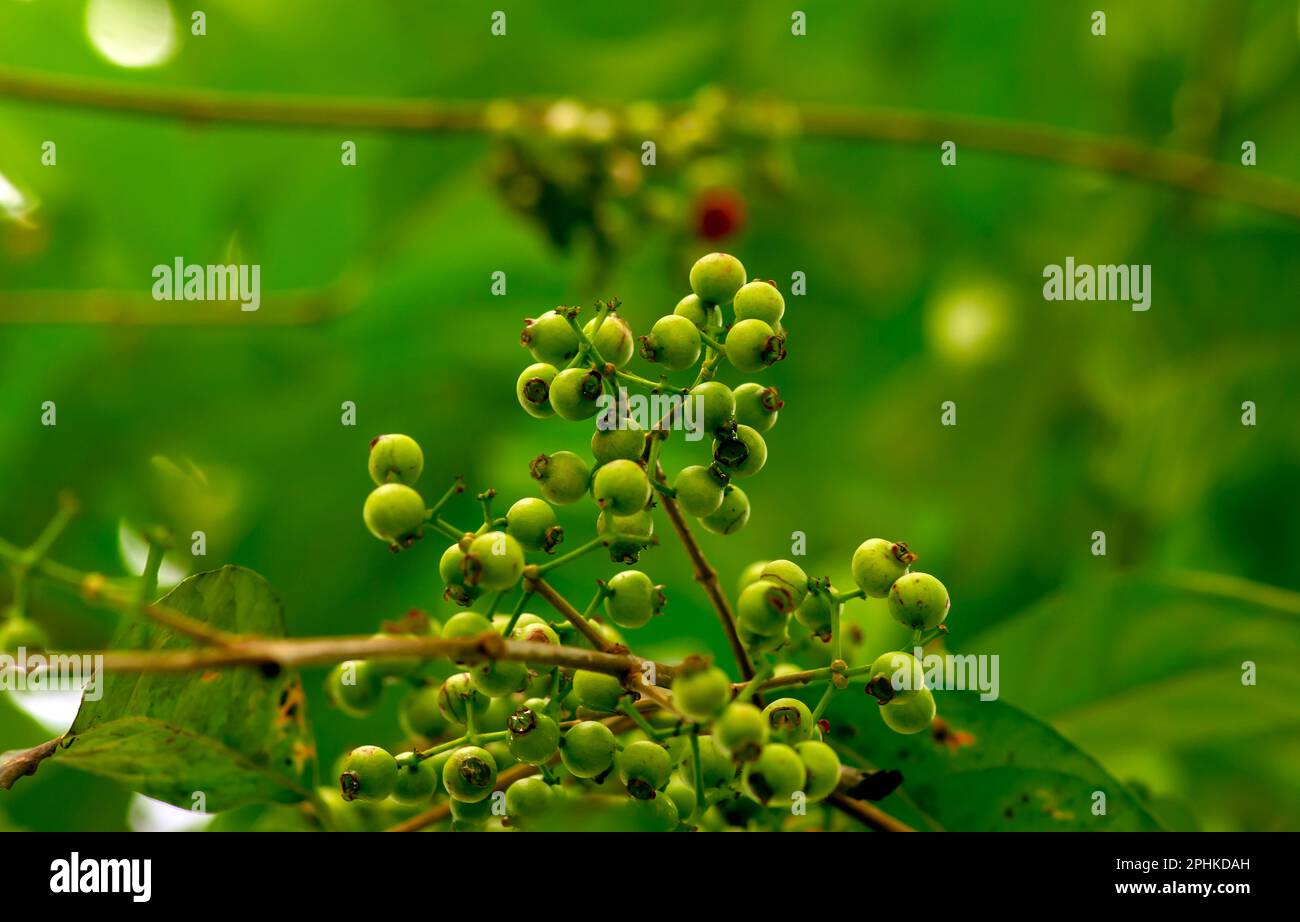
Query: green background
{"points": [[1072, 417]]}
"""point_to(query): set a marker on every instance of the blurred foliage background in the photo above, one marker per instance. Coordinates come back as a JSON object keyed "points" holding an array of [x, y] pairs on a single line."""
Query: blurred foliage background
{"points": [[924, 285]]}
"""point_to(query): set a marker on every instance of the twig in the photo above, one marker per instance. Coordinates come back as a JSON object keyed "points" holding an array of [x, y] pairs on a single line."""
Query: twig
{"points": [[534, 583], [867, 813]]}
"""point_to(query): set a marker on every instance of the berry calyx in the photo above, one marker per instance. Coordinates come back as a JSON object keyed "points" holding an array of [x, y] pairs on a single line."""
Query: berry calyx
{"points": [[533, 389], [877, 563], [394, 513], [550, 339], [789, 720], [453, 577], [534, 737], [644, 767], [532, 522], [369, 773], [764, 607], [753, 345], [562, 476], [494, 561], [741, 453], [575, 393], [395, 459], [757, 406], [895, 675]]}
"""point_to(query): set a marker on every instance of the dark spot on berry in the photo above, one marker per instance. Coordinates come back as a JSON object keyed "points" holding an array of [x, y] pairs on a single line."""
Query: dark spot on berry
{"points": [[269, 670]]}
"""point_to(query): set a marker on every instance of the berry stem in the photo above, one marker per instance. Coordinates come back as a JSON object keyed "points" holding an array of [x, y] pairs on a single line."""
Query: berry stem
{"points": [[717, 347], [149, 578], [457, 486], [570, 556], [642, 724], [518, 610], [749, 688], [561, 604], [699, 773], [841, 597], [823, 702]]}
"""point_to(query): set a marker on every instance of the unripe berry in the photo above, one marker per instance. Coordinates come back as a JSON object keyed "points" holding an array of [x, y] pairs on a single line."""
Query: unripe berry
{"points": [[394, 513], [17, 631], [644, 767], [822, 767], [757, 406], [699, 489], [789, 574], [626, 534], [369, 773], [457, 697], [751, 574], [527, 800], [417, 779], [762, 643], [742, 453], [534, 630], [700, 691], [453, 577], [673, 342], [760, 301], [697, 312], [765, 607], [909, 713], [621, 486], [716, 766], [717, 277], [420, 715], [534, 737], [499, 677], [355, 687], [395, 459], [752, 345], [895, 675], [918, 601], [588, 749], [466, 624], [550, 339], [494, 561], [614, 341], [597, 691], [658, 814], [617, 439], [632, 598], [732, 513], [575, 393], [774, 776], [533, 389], [741, 731], [817, 613], [719, 404], [681, 793], [532, 523], [466, 815], [562, 476], [789, 721], [877, 563], [470, 774]]}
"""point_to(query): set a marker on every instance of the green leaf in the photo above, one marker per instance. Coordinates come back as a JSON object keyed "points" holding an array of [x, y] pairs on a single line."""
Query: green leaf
{"points": [[990, 767], [234, 735]]}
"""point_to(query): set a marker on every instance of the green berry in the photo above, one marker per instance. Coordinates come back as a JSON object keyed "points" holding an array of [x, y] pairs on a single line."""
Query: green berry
{"points": [[715, 765], [550, 339], [751, 574], [699, 489], [534, 737], [17, 631], [494, 561], [717, 277], [697, 312], [614, 341], [453, 577], [765, 607], [417, 779], [895, 675], [822, 767], [762, 643], [909, 713], [644, 767], [658, 814], [680, 792], [563, 476], [394, 513], [598, 691], [731, 514], [632, 598], [673, 342], [575, 393], [457, 697], [588, 749], [760, 301], [717, 405], [465, 625], [757, 406], [617, 439], [817, 614], [877, 563], [700, 691], [621, 486], [752, 345], [500, 677], [918, 601], [466, 815], [742, 453], [627, 535], [741, 732], [789, 574], [369, 773], [533, 389], [789, 721], [773, 778], [420, 715], [354, 687], [470, 774], [501, 754], [527, 800], [534, 630], [532, 523], [395, 459]]}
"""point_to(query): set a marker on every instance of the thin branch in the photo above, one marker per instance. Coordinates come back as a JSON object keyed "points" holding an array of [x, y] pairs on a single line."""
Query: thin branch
{"points": [[14, 765], [534, 583], [869, 814]]}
